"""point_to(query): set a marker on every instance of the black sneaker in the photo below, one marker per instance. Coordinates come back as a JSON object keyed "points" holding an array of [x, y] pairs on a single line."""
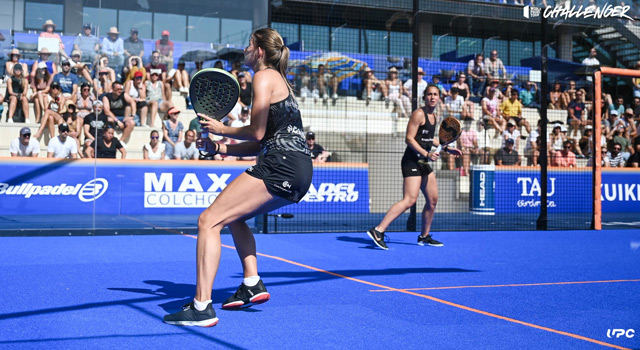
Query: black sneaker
{"points": [[190, 316], [247, 296], [429, 241], [378, 238]]}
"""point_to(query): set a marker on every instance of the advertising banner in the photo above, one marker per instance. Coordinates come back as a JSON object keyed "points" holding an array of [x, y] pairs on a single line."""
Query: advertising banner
{"points": [[34, 187]]}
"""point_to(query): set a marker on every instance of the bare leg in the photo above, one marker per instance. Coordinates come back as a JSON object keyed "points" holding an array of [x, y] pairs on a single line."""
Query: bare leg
{"points": [[144, 113], [13, 102], [226, 209], [153, 108], [410, 196], [429, 188], [25, 107]]}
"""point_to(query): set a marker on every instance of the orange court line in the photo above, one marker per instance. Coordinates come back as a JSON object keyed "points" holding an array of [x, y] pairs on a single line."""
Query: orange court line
{"points": [[508, 285], [509, 319]]}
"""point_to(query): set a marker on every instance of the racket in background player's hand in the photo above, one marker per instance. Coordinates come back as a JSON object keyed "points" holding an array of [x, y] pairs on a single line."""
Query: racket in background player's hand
{"points": [[213, 92], [450, 131]]}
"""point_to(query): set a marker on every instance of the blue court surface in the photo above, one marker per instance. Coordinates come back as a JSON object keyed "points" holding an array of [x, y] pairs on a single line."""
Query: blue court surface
{"points": [[482, 290]]}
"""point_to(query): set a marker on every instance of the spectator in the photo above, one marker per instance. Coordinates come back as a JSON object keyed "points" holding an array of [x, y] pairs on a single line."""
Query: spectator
{"points": [[49, 28], [557, 100], [577, 117], [635, 105], [103, 85], [243, 119], [618, 135], [570, 93], [591, 62], [133, 46], [491, 112], [117, 105], [556, 139], [463, 88], [179, 79], [40, 88], [585, 144], [614, 157], [186, 150], [154, 149], [397, 93], [156, 97], [160, 67], [302, 83], [636, 84], [477, 76], [103, 64], [618, 105], [85, 101], [96, 122], [531, 149], [14, 59], [25, 145], [62, 146], [134, 65], [507, 155], [107, 146], [44, 58], [374, 89], [17, 87], [68, 81], [236, 68], [436, 81], [564, 158], [172, 129], [194, 125], [511, 132], [246, 90], [634, 160], [468, 144], [165, 47], [113, 48], [326, 80], [511, 109], [629, 122], [54, 115], [318, 154], [454, 103], [494, 67], [69, 116], [422, 85], [88, 44], [529, 95], [137, 90], [80, 69]]}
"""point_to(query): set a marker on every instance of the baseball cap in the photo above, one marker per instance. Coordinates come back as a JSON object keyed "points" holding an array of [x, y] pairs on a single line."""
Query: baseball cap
{"points": [[65, 61], [240, 74], [311, 136], [629, 111], [156, 71], [63, 127], [134, 30], [614, 112], [138, 74], [173, 110], [588, 127], [86, 25], [25, 131], [511, 141], [511, 122], [563, 128], [245, 109], [165, 32], [55, 85], [42, 65]]}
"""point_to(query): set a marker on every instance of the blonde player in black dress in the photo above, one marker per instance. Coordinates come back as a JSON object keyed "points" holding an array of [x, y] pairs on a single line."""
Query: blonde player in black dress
{"points": [[416, 171], [281, 176]]}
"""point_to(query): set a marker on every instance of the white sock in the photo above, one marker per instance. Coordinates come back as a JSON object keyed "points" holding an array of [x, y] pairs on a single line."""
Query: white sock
{"points": [[201, 305], [251, 281]]}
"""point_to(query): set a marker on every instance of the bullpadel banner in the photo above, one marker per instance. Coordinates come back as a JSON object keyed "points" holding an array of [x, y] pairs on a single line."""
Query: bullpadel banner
{"points": [[121, 187]]}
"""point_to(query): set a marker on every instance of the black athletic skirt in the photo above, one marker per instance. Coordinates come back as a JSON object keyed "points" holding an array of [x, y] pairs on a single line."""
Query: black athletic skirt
{"points": [[286, 174], [414, 166]]}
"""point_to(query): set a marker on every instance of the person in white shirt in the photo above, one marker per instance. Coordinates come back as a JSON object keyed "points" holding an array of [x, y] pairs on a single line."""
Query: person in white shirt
{"points": [[187, 148], [591, 60], [24, 145], [62, 146], [454, 104], [422, 85], [511, 132], [153, 150], [243, 119]]}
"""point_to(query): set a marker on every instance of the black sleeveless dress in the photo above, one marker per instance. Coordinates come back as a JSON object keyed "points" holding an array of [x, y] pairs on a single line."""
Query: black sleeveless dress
{"points": [[284, 163], [424, 137]]}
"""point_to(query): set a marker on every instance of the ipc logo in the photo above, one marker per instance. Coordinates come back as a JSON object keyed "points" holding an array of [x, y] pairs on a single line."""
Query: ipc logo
{"points": [[93, 190], [617, 333]]}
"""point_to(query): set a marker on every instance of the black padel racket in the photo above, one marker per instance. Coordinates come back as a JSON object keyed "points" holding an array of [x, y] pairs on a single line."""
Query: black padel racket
{"points": [[213, 92], [450, 131]]}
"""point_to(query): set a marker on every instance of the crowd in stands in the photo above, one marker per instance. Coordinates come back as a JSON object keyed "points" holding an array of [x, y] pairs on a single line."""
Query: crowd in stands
{"points": [[105, 84]]}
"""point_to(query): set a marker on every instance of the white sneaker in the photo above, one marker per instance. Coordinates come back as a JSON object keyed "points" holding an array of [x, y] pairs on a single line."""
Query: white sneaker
{"points": [[27, 121], [335, 96], [184, 89], [123, 144], [10, 121]]}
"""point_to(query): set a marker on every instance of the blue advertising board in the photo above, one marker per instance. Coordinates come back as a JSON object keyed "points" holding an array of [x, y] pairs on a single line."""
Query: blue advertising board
{"points": [[518, 190], [32, 187]]}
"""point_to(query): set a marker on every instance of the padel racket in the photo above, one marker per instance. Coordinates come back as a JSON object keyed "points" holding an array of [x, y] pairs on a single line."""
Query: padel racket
{"points": [[213, 92], [450, 131]]}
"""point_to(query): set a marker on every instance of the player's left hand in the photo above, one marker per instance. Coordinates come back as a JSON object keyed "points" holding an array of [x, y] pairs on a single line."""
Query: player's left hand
{"points": [[210, 124]]}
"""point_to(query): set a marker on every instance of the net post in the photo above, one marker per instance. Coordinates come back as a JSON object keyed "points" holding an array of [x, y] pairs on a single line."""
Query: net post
{"points": [[597, 159], [541, 223], [411, 220]]}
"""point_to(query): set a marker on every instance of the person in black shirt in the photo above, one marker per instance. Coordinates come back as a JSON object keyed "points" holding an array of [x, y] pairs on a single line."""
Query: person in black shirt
{"points": [[95, 123], [507, 155], [318, 154], [106, 147], [245, 90]]}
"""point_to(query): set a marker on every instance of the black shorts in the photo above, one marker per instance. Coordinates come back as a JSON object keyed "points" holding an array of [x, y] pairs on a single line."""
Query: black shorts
{"points": [[286, 174], [516, 120], [413, 166]]}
